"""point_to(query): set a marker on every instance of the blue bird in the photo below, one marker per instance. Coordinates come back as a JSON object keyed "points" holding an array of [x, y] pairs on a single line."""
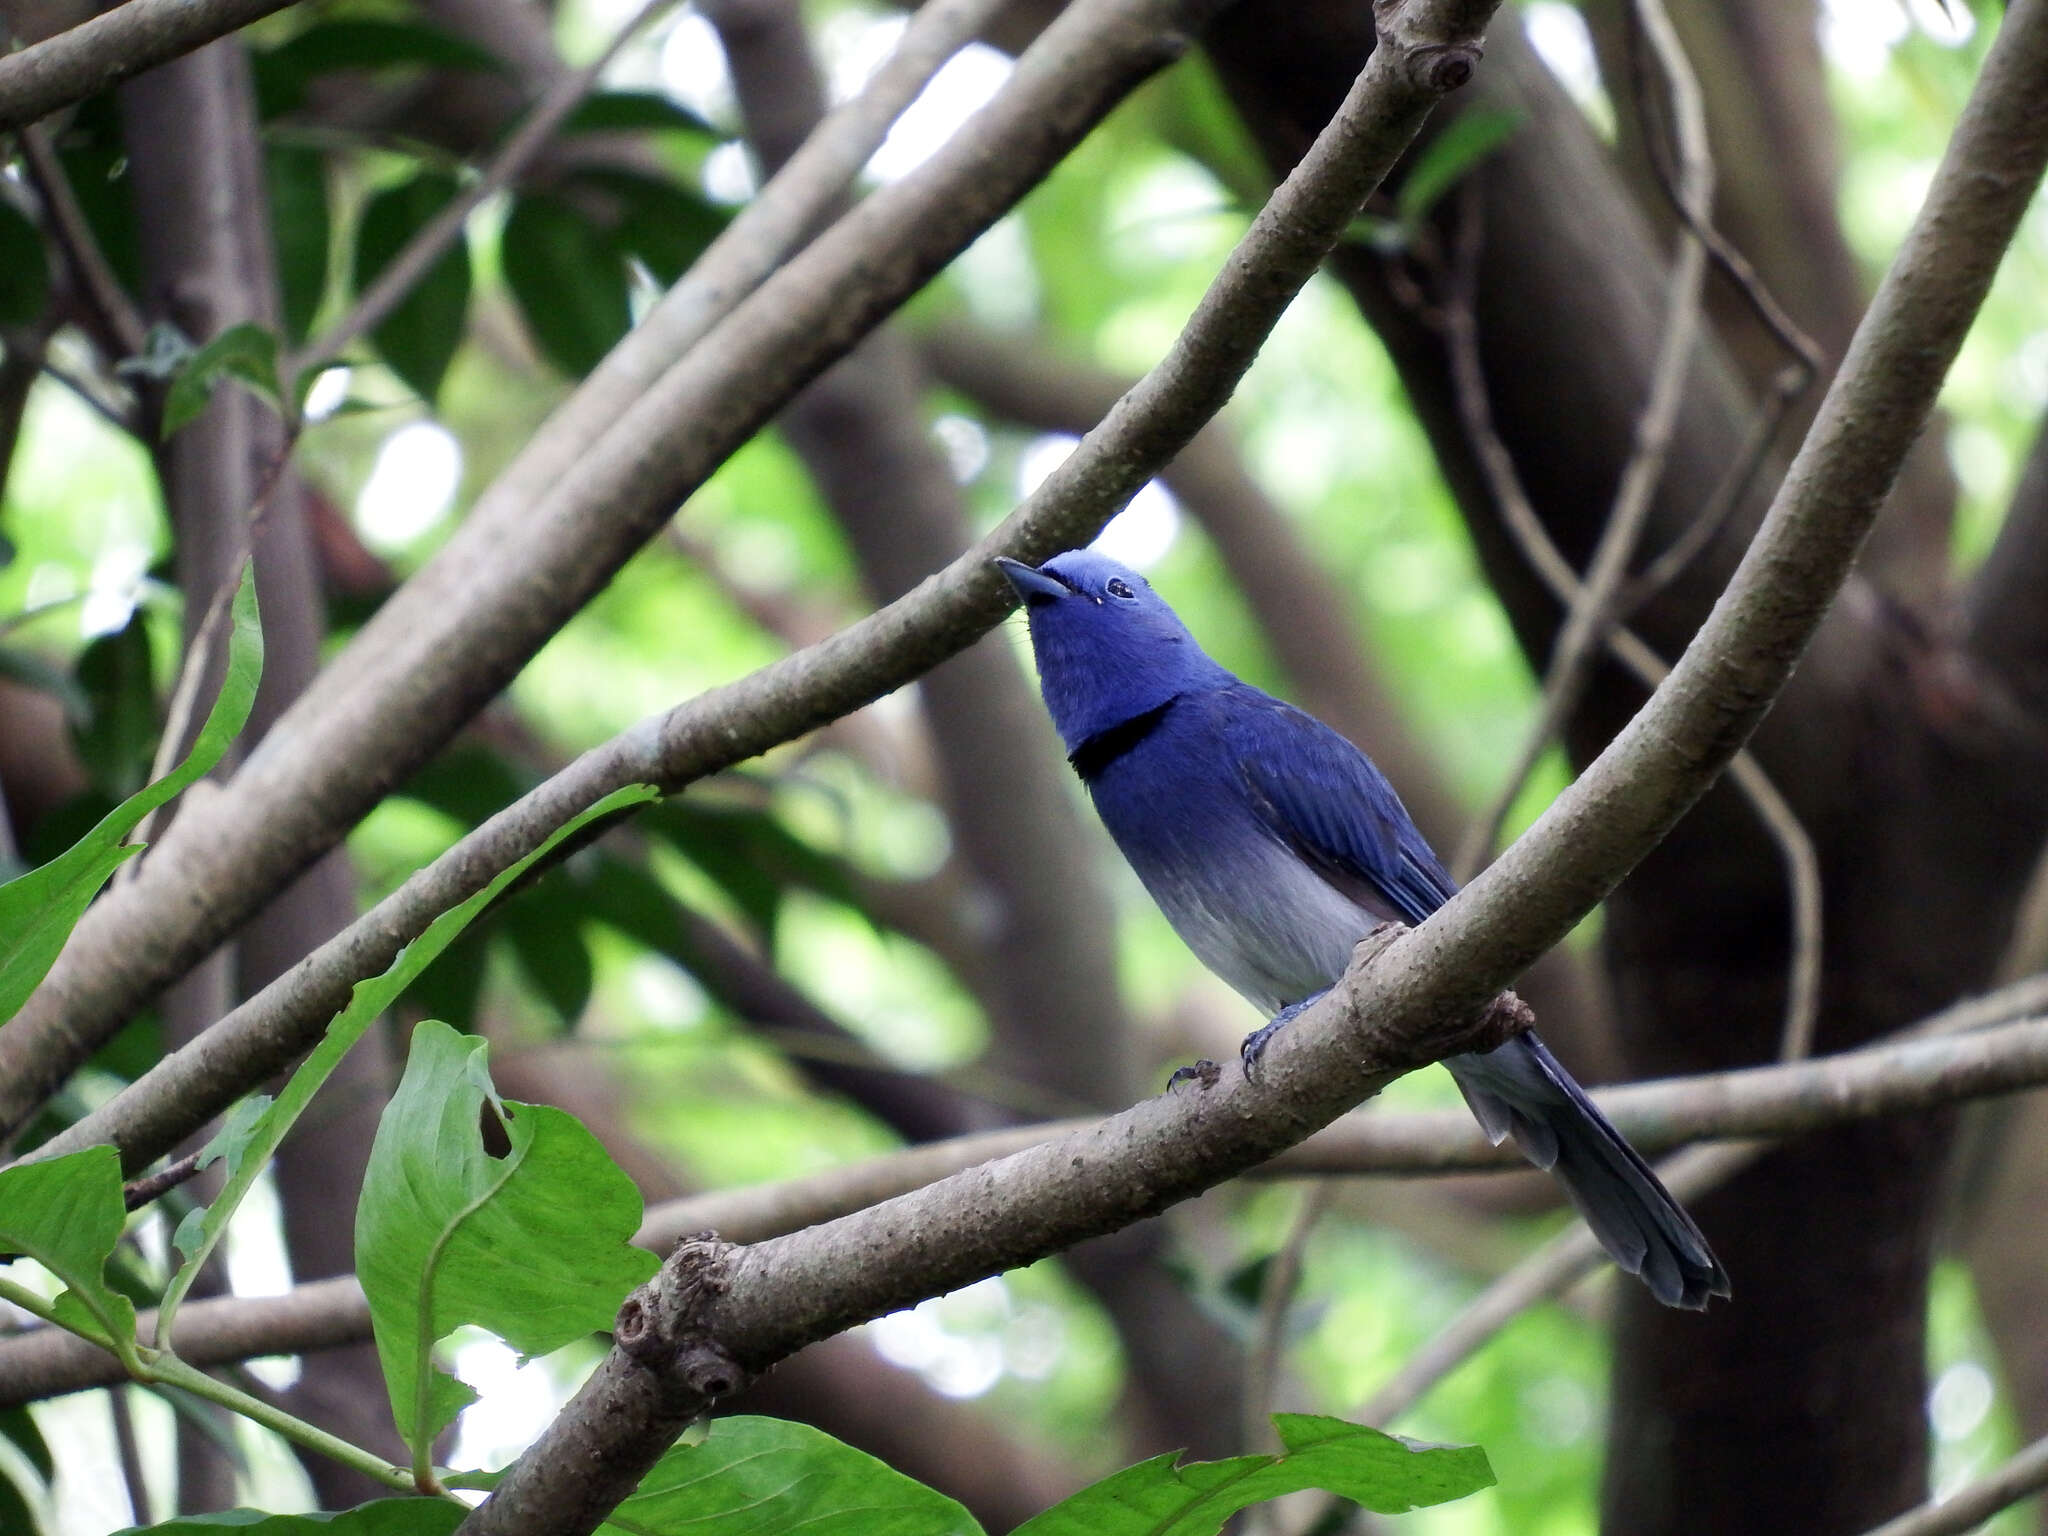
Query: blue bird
{"points": [[1273, 846]]}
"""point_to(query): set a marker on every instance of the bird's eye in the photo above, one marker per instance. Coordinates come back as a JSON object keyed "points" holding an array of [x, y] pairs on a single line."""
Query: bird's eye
{"points": [[1118, 587]]}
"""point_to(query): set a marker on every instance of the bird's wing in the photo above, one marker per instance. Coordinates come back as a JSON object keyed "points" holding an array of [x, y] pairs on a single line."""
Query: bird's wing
{"points": [[1327, 801]]}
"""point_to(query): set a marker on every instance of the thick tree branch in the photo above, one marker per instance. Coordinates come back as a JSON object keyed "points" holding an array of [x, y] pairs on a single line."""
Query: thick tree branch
{"points": [[544, 539], [111, 47], [1979, 1052]]}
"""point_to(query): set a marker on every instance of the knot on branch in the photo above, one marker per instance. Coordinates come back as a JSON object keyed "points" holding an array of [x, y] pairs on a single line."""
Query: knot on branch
{"points": [[664, 1327], [1441, 68]]}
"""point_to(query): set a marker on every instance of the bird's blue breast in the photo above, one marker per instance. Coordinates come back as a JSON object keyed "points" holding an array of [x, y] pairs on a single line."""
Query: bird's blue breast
{"points": [[1177, 801]]}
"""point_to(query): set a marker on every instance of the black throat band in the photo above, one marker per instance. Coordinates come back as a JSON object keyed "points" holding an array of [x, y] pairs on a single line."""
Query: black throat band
{"points": [[1093, 757]]}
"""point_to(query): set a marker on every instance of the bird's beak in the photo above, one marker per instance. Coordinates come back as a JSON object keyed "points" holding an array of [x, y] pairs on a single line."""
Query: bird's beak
{"points": [[1032, 586]]}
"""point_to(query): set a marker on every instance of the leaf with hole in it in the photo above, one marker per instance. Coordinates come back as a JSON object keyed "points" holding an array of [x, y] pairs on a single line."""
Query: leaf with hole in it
{"points": [[258, 1125], [419, 337], [570, 279], [246, 352], [66, 1213], [380, 1517], [39, 909], [24, 268], [753, 1476], [1166, 1497], [478, 1210]]}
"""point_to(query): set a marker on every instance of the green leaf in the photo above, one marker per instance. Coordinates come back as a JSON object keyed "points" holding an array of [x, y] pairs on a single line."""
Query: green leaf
{"points": [[1159, 1498], [380, 1517], [39, 909], [247, 352], [761, 1477], [367, 42], [570, 279], [300, 231], [1452, 155], [418, 339], [24, 268], [478, 1210], [632, 112], [254, 1131], [66, 1213], [663, 224], [118, 735]]}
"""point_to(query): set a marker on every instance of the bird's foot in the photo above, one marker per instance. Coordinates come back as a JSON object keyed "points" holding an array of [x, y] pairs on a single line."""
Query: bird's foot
{"points": [[1255, 1043], [1205, 1072]]}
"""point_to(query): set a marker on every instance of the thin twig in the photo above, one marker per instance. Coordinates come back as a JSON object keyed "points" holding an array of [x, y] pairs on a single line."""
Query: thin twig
{"points": [[131, 1456], [119, 323], [1677, 557], [122, 417], [1518, 516], [137, 1193], [1787, 385], [1593, 612], [1974, 1503], [1565, 1259], [431, 241], [1276, 1298]]}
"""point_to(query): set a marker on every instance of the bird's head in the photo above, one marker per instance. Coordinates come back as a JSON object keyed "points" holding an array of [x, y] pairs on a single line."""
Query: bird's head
{"points": [[1108, 647]]}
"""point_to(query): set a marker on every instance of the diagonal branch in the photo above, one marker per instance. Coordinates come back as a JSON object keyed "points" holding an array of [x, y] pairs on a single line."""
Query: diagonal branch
{"points": [[112, 46]]}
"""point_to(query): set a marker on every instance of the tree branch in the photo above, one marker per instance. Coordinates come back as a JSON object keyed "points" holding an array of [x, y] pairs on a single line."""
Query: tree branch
{"points": [[111, 47], [1973, 1050]]}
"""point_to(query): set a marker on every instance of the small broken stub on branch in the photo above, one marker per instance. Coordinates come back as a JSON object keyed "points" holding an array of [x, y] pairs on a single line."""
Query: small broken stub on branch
{"points": [[662, 1326]]}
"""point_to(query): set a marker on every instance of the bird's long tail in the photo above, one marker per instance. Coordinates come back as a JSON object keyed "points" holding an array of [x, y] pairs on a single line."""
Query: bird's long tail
{"points": [[1523, 1091]]}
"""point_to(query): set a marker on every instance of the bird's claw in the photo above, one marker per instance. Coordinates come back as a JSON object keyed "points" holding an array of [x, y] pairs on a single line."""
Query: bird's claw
{"points": [[1255, 1043], [1205, 1072]]}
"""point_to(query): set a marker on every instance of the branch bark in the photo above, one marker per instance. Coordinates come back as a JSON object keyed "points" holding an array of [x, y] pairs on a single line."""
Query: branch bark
{"points": [[112, 47], [1900, 1077]]}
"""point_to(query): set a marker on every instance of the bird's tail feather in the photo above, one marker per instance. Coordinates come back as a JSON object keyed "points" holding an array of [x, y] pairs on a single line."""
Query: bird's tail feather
{"points": [[1523, 1091]]}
